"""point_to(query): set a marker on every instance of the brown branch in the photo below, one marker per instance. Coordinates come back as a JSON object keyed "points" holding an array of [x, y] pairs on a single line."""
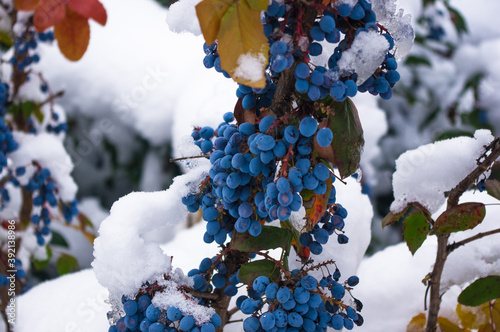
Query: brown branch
{"points": [[442, 249], [478, 236], [232, 312], [205, 295]]}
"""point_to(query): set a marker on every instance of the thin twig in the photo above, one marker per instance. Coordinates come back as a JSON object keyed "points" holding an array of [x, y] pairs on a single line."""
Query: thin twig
{"points": [[458, 244], [191, 157], [232, 312], [205, 295]]}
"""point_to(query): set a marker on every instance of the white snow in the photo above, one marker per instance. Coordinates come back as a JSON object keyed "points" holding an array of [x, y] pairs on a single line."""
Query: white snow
{"points": [[49, 152], [181, 17], [251, 67], [366, 54], [124, 260], [171, 296], [424, 175], [394, 277], [74, 302]]}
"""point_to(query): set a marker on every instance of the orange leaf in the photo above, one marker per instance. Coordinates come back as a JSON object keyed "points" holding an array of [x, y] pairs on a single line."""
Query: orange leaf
{"points": [[73, 35], [90, 9], [210, 13], [26, 4], [49, 13]]}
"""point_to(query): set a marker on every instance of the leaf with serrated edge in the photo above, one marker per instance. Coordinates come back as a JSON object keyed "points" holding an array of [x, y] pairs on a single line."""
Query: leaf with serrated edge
{"points": [[241, 35], [26, 4], [250, 271], [415, 231], [90, 9], [210, 13], [459, 218], [481, 291], [48, 13], [73, 35]]}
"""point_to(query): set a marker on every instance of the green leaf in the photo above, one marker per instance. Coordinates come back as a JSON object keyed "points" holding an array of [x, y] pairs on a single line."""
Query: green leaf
{"points": [[481, 291], [459, 218], [58, 240], [295, 233], [250, 271], [493, 188], [40, 265], [415, 231], [66, 264], [348, 141], [270, 238], [413, 60], [457, 19]]}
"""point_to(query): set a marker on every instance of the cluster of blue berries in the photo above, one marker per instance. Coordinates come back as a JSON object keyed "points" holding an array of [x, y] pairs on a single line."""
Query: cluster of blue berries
{"points": [[242, 191], [212, 59], [303, 304], [143, 316], [215, 271], [24, 48]]}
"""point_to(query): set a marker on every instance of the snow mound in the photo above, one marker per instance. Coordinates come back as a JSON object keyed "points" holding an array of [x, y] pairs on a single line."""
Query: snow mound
{"points": [[124, 258], [425, 174]]}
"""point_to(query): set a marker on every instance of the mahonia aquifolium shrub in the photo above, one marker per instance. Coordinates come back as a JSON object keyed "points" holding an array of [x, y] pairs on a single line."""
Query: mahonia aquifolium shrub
{"points": [[262, 170], [36, 181]]}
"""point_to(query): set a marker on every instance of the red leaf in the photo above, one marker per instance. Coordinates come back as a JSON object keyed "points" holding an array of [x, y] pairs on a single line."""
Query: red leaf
{"points": [[26, 4], [90, 9], [73, 35], [49, 13]]}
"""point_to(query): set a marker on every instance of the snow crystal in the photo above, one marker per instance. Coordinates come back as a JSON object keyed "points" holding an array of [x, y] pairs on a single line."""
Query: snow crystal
{"points": [[181, 17], [366, 54], [124, 260], [398, 25], [172, 296], [251, 67], [47, 150], [425, 174]]}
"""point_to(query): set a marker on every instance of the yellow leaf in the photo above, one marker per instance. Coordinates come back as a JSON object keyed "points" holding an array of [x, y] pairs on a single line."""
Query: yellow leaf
{"points": [[448, 326], [258, 4], [210, 13], [417, 323], [73, 35], [472, 317], [243, 47], [492, 313]]}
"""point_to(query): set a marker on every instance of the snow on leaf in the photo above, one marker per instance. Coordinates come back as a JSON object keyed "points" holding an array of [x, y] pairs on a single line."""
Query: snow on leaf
{"points": [[240, 34], [48, 13], [90, 9], [73, 35]]}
